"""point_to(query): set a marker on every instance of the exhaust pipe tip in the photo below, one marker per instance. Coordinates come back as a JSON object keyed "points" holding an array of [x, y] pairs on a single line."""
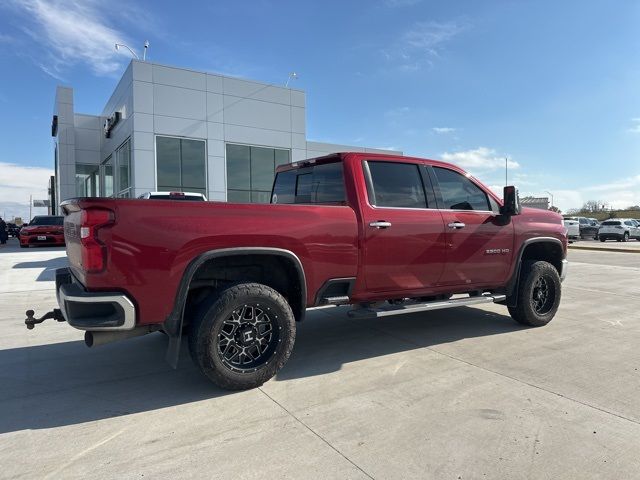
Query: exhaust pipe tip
{"points": [[96, 338]]}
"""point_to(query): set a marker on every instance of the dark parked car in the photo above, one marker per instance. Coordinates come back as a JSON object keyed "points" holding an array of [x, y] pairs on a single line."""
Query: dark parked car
{"points": [[588, 227], [13, 230]]}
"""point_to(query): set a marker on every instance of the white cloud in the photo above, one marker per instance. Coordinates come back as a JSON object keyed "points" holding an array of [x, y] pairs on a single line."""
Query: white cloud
{"points": [[621, 193], [422, 43], [635, 128], [443, 130], [4, 38], [71, 32], [397, 112], [479, 159], [17, 182]]}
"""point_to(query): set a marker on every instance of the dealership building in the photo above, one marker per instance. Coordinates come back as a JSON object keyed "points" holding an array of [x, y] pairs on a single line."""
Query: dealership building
{"points": [[172, 129]]}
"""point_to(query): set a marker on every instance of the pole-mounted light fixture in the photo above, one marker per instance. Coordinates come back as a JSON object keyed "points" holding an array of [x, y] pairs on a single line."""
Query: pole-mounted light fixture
{"points": [[292, 76], [122, 45]]}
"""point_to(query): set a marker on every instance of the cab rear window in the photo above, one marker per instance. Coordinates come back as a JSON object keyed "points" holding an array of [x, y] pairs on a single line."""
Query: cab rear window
{"points": [[317, 184]]}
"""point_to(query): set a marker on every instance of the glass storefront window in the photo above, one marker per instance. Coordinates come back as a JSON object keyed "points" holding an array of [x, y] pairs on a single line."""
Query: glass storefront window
{"points": [[86, 180], [250, 172], [181, 164], [124, 167], [106, 172]]}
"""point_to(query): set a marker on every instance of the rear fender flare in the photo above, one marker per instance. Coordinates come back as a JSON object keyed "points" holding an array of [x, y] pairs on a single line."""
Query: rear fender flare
{"points": [[173, 324]]}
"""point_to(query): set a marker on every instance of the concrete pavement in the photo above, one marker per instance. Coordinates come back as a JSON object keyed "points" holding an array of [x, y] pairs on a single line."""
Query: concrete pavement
{"points": [[464, 393]]}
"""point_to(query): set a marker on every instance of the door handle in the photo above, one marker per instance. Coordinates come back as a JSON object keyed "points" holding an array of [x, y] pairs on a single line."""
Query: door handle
{"points": [[456, 225], [380, 224]]}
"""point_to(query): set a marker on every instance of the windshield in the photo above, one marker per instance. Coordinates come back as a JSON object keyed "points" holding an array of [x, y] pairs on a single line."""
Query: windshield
{"points": [[46, 221]]}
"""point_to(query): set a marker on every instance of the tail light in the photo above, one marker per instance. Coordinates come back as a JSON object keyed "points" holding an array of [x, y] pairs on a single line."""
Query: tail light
{"points": [[94, 252]]}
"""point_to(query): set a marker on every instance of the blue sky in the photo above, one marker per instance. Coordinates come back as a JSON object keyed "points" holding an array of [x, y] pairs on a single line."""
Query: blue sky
{"points": [[551, 85]]}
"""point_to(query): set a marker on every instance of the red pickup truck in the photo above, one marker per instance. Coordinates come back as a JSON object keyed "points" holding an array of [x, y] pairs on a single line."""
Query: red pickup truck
{"points": [[386, 234]]}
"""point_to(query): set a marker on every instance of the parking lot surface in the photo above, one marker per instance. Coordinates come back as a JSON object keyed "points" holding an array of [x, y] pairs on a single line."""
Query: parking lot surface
{"points": [[463, 393]]}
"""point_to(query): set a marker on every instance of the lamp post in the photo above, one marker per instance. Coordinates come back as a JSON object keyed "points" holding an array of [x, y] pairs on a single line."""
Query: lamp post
{"points": [[292, 75], [122, 45], [547, 191]]}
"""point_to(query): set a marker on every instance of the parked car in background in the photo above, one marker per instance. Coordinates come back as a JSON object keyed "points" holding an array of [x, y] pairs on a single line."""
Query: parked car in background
{"points": [[619, 229], [12, 229], [636, 224], [573, 228], [43, 230], [588, 229], [197, 197]]}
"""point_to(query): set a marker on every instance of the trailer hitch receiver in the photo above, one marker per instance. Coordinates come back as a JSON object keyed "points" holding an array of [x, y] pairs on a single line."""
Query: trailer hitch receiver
{"points": [[31, 321]]}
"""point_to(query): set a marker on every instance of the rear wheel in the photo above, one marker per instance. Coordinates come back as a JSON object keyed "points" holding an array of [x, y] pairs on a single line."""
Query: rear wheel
{"points": [[603, 239], [243, 336], [539, 294], [24, 246]]}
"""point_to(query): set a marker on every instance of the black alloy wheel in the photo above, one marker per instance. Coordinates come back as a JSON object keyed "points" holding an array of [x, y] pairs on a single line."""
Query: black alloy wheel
{"points": [[539, 293], [248, 338], [242, 335], [542, 296]]}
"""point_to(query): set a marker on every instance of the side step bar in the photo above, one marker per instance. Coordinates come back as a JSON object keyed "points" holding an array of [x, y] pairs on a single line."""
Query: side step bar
{"points": [[424, 306]]}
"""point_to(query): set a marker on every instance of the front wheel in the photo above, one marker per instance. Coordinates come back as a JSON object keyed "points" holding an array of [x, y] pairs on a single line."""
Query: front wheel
{"points": [[625, 237], [539, 294], [242, 336]]}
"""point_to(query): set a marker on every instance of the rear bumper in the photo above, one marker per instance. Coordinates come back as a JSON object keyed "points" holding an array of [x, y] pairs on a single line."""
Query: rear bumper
{"points": [[95, 311], [613, 236]]}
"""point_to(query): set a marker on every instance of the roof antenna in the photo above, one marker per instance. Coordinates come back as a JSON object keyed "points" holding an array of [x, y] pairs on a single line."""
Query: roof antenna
{"points": [[144, 52]]}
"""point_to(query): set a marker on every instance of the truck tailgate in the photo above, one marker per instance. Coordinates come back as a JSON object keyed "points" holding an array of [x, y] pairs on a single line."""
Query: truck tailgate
{"points": [[72, 220]]}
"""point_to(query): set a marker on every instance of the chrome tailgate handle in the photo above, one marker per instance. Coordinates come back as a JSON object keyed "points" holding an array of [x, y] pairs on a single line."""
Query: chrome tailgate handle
{"points": [[456, 225], [380, 224]]}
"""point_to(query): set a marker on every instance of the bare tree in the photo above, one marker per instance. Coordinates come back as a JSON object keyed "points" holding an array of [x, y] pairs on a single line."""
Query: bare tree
{"points": [[594, 206]]}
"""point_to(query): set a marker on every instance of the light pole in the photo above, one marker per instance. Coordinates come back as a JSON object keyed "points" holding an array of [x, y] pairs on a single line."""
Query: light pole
{"points": [[292, 75], [547, 191], [122, 45]]}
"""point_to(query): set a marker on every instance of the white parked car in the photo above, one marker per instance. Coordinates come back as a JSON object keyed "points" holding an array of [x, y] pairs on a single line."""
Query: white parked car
{"points": [[621, 229], [573, 228], [197, 197]]}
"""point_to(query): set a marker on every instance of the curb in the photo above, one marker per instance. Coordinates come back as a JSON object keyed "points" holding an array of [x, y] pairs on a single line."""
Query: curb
{"points": [[605, 249]]}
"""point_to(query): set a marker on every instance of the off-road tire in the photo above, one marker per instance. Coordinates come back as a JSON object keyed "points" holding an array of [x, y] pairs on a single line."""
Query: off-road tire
{"points": [[526, 311], [207, 326]]}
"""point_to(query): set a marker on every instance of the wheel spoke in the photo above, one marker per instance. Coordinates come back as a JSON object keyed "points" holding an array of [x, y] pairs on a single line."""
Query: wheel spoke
{"points": [[246, 339]]}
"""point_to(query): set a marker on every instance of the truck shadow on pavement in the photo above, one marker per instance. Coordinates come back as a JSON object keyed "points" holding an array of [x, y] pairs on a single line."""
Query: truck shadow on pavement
{"points": [[48, 386], [49, 267]]}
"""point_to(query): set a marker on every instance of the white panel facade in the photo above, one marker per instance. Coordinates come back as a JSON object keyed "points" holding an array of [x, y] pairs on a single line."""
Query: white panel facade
{"points": [[158, 100]]}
